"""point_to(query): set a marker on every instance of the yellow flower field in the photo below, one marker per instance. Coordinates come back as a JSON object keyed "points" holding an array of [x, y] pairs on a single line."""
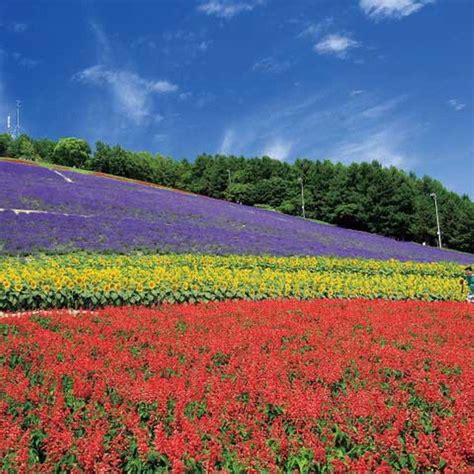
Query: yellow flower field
{"points": [[92, 280]]}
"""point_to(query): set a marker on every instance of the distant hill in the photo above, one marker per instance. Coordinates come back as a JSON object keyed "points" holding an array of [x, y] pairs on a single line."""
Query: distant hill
{"points": [[60, 210]]}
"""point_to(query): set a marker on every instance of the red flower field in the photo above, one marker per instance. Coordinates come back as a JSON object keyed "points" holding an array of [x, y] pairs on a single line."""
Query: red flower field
{"points": [[240, 387]]}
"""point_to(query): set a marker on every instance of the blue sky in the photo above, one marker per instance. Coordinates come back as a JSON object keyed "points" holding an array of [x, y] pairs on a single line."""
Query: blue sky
{"points": [[348, 80]]}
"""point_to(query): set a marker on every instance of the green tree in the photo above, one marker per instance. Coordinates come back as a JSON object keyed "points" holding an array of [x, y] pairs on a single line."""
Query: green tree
{"points": [[44, 148], [71, 152], [240, 192], [22, 147], [5, 143]]}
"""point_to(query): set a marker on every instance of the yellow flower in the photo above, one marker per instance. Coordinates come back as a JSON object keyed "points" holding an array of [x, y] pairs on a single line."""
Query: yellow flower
{"points": [[257, 277]]}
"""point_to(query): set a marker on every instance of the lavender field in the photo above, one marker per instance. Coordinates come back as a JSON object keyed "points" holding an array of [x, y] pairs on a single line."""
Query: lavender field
{"points": [[42, 210]]}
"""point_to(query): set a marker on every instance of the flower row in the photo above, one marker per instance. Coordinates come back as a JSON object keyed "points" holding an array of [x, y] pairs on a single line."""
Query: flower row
{"points": [[90, 280], [273, 386], [107, 215]]}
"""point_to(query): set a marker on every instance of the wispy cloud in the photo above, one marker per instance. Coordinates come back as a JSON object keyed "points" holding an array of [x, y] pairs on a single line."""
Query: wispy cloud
{"points": [[323, 126], [203, 45], [160, 137], [186, 43], [15, 26], [20, 59], [199, 99], [384, 145], [104, 48], [327, 40], [142, 41], [132, 93], [185, 95], [271, 65], [456, 105], [24, 61], [336, 44], [383, 107], [227, 146], [381, 9], [204, 98], [227, 9], [125, 97], [278, 149], [314, 31]]}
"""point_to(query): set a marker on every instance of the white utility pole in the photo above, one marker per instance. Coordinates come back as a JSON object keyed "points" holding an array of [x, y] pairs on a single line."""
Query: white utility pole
{"points": [[300, 179], [433, 195]]}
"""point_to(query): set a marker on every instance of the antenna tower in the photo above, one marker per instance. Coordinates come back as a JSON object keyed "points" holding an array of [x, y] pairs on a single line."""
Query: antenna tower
{"points": [[17, 130]]}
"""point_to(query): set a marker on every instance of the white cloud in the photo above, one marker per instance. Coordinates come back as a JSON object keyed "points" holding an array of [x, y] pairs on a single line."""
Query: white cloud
{"points": [[325, 125], [104, 49], [228, 143], [456, 105], [131, 92], [228, 8], [204, 98], [15, 26], [25, 62], [160, 137], [18, 27], [382, 108], [271, 65], [199, 100], [316, 30], [186, 44], [203, 46], [336, 44], [144, 41], [356, 92], [383, 146], [278, 149], [381, 9], [161, 86], [185, 95]]}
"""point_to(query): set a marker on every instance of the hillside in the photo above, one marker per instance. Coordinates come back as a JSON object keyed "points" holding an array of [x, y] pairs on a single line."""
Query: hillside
{"points": [[59, 211]]}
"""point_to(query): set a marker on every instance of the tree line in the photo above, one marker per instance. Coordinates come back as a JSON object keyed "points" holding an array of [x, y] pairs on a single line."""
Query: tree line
{"points": [[362, 196]]}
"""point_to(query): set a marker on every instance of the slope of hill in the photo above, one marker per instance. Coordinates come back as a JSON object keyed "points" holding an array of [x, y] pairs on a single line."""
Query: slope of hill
{"points": [[59, 211]]}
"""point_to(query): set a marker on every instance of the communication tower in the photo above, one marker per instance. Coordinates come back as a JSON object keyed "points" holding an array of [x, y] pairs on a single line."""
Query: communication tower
{"points": [[17, 130]]}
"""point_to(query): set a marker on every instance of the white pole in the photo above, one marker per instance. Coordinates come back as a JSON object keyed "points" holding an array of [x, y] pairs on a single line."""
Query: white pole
{"points": [[433, 195], [302, 198]]}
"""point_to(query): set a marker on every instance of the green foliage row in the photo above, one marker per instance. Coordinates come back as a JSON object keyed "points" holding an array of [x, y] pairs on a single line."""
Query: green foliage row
{"points": [[363, 196]]}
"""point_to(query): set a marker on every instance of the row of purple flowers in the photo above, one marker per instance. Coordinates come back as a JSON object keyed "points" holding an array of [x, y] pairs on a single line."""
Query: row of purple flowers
{"points": [[100, 214]]}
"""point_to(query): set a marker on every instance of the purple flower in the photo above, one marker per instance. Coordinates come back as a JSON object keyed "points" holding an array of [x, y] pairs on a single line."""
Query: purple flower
{"points": [[100, 214]]}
